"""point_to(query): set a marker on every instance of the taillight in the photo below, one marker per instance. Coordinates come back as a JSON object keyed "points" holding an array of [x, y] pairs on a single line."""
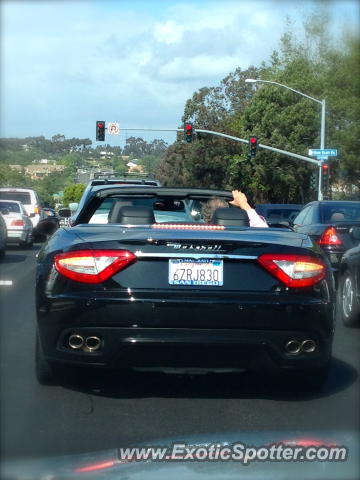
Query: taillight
{"points": [[329, 237], [294, 270], [93, 266], [36, 210], [17, 223]]}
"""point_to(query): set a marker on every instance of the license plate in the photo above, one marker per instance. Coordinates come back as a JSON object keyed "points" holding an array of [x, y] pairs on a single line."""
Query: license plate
{"points": [[196, 272]]}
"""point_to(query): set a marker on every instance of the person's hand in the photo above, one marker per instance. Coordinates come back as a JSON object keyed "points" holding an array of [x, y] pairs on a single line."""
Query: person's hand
{"points": [[240, 200]]}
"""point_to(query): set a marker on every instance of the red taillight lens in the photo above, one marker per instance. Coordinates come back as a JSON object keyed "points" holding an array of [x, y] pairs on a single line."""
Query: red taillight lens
{"points": [[329, 237], [93, 266], [294, 270], [17, 223]]}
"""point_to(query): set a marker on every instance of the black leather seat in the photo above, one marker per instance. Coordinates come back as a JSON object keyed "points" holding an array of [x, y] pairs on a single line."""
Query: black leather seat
{"points": [[230, 217], [134, 216], [115, 209]]}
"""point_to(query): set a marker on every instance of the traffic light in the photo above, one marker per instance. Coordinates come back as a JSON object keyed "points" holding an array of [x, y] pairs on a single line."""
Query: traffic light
{"points": [[188, 132], [314, 181], [100, 131], [325, 181], [253, 144]]}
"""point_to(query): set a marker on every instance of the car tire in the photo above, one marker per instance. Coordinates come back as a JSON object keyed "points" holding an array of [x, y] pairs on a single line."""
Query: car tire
{"points": [[28, 242], [349, 306], [44, 371], [3, 249]]}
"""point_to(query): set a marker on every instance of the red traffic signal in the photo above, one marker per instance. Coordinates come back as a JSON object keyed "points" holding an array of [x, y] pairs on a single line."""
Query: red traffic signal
{"points": [[253, 144], [100, 130], [188, 132]]}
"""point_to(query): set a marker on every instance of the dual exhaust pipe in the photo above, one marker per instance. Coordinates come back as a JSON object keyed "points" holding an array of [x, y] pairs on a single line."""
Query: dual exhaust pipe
{"points": [[88, 344], [294, 346]]}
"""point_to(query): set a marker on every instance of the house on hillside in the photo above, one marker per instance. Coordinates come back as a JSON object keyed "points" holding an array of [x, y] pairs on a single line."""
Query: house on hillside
{"points": [[40, 170]]}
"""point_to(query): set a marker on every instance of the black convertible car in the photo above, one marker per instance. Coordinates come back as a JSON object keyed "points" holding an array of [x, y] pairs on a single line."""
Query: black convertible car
{"points": [[151, 288]]}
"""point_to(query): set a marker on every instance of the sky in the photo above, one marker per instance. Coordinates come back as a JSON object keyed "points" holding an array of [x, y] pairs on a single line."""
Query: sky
{"points": [[66, 64]]}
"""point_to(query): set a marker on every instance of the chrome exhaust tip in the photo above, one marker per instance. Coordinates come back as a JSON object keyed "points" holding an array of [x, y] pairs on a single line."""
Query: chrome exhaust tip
{"points": [[308, 346], [76, 342], [293, 347], [92, 344]]}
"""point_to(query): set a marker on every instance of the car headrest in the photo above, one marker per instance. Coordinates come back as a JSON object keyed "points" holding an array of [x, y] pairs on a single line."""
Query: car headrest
{"points": [[337, 217], [115, 209], [230, 217], [135, 216]]}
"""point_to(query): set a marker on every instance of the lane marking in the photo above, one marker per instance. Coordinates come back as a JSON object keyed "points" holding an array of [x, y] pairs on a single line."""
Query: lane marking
{"points": [[7, 283]]}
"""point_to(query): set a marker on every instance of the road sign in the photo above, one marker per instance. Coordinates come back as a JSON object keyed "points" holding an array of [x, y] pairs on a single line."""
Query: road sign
{"points": [[328, 152], [322, 157], [113, 128]]}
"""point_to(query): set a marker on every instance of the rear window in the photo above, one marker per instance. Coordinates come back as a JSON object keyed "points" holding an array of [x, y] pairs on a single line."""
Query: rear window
{"points": [[341, 212], [282, 214], [23, 197], [11, 206]]}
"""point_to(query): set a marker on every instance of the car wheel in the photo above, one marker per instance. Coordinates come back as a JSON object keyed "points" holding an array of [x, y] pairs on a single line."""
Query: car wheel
{"points": [[3, 248], [349, 307], [28, 242], [44, 371]]}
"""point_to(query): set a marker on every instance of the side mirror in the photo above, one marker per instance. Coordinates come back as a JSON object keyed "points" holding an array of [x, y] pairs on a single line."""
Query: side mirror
{"points": [[64, 212], [5, 211], [47, 226]]}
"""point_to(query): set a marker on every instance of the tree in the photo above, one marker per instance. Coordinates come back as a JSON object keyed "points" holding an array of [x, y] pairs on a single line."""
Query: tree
{"points": [[279, 117], [73, 193]]}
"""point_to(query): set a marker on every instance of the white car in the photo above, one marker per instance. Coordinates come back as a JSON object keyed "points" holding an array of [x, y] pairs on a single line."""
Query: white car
{"points": [[19, 225], [29, 199]]}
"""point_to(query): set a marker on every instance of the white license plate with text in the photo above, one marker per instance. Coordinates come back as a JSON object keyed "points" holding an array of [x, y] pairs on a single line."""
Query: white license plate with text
{"points": [[207, 272]]}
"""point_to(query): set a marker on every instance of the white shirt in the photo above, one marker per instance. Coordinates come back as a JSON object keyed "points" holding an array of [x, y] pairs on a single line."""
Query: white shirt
{"points": [[255, 219]]}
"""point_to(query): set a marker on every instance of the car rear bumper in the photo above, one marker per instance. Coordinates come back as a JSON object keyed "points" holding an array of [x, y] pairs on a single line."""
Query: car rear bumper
{"points": [[256, 340], [14, 236]]}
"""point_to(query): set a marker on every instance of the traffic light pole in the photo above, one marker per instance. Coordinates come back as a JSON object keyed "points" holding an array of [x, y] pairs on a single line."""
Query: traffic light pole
{"points": [[322, 146], [236, 139]]}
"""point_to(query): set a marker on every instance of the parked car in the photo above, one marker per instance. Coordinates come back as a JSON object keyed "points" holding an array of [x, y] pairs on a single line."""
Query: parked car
{"points": [[138, 293], [349, 285], [331, 225], [29, 199], [19, 225], [3, 236], [278, 213]]}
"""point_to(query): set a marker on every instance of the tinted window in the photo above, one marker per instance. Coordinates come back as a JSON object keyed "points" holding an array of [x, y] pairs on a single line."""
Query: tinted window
{"points": [[22, 197], [337, 212], [11, 206], [313, 216], [299, 220], [281, 214]]}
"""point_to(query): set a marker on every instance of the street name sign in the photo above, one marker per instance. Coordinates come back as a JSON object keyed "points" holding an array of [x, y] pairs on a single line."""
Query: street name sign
{"points": [[327, 152]]}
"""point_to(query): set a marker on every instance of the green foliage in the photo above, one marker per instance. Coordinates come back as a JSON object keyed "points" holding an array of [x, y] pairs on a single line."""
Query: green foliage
{"points": [[13, 178], [73, 193], [279, 117]]}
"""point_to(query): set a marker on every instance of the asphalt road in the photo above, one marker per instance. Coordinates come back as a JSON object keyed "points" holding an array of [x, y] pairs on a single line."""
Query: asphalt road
{"points": [[108, 411]]}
